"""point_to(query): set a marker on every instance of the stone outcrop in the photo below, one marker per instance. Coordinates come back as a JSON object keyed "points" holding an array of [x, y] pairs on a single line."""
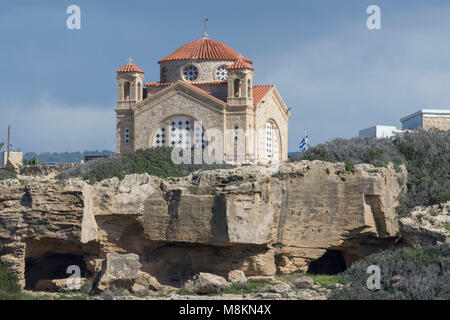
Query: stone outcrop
{"points": [[426, 226], [204, 283], [260, 220], [120, 271]]}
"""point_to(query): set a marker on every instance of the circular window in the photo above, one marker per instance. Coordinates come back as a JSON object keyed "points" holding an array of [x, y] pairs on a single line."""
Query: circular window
{"points": [[190, 73], [222, 73]]}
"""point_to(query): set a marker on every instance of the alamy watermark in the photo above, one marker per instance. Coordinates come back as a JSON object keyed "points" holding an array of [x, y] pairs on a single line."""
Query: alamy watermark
{"points": [[74, 281], [73, 22], [374, 20], [374, 280]]}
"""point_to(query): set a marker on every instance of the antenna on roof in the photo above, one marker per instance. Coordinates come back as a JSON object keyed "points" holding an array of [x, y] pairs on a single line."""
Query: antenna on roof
{"points": [[130, 60], [205, 28]]}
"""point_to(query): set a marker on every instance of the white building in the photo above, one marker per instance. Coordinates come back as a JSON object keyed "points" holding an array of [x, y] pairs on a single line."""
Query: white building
{"points": [[379, 132], [426, 119]]}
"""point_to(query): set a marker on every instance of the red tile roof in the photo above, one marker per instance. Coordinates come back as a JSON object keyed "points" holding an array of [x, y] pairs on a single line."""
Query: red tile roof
{"points": [[259, 92], [130, 67], [201, 90], [204, 49], [240, 64]]}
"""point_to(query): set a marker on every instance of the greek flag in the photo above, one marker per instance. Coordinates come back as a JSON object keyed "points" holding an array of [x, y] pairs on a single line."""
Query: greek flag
{"points": [[304, 144]]}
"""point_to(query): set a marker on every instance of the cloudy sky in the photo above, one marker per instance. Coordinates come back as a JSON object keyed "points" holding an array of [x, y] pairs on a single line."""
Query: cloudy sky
{"points": [[58, 86]]}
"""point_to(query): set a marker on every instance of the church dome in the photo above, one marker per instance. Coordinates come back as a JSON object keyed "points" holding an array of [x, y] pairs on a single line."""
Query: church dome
{"points": [[204, 49]]}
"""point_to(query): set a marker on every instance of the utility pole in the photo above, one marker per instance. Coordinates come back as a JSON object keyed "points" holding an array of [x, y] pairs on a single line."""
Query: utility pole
{"points": [[9, 143]]}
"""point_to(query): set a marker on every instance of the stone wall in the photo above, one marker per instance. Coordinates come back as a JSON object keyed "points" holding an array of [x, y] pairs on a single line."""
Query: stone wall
{"points": [[15, 158], [46, 169], [442, 123]]}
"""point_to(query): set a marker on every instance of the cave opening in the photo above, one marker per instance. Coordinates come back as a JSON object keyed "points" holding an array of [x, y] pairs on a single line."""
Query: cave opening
{"points": [[332, 262], [50, 267]]}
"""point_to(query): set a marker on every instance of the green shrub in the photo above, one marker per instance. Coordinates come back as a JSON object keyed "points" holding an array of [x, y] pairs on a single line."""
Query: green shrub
{"points": [[155, 162], [425, 153], [5, 175], [420, 274], [31, 162], [9, 287]]}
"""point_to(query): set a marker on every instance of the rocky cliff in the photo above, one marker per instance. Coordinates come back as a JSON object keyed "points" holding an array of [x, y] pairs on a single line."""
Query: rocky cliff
{"points": [[262, 220]]}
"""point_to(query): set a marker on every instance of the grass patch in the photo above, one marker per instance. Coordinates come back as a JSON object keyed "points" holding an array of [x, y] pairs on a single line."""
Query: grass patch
{"points": [[321, 280], [446, 226]]}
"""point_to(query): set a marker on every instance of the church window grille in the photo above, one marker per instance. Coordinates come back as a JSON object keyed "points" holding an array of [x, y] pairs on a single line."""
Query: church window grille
{"points": [[180, 132], [222, 73], [190, 73], [269, 139], [160, 137]]}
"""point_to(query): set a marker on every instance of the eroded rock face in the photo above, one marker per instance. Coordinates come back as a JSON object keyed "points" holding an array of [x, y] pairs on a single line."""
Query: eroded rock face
{"points": [[426, 226], [120, 271], [260, 220]]}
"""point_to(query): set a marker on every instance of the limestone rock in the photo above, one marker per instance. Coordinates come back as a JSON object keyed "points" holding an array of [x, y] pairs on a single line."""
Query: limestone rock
{"points": [[237, 276], [140, 290], [263, 279], [261, 220], [282, 288], [303, 283], [426, 226], [55, 285], [204, 283], [147, 281], [121, 271]]}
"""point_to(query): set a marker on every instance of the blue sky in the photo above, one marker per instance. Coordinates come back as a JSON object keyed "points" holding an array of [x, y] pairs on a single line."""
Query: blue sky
{"points": [[58, 86]]}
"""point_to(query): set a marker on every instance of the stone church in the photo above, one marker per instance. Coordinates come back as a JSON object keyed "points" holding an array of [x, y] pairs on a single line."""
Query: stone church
{"points": [[205, 86]]}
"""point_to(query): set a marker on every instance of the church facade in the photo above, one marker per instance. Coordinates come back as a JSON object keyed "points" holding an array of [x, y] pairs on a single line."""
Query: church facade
{"points": [[206, 97]]}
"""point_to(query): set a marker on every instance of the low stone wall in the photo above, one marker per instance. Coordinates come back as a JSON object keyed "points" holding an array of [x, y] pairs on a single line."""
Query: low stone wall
{"points": [[46, 169]]}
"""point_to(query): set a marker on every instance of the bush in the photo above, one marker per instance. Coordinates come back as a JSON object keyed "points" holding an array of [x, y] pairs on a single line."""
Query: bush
{"points": [[5, 175], [155, 162], [406, 274], [31, 162], [426, 154], [9, 287]]}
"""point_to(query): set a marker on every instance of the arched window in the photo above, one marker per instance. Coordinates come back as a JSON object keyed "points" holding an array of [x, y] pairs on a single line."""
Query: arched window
{"points": [[181, 132], [160, 138], [270, 145], [139, 91], [237, 87], [249, 89], [126, 90]]}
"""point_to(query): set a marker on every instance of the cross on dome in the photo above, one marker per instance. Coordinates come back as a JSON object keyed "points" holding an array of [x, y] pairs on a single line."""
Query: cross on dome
{"points": [[205, 29]]}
